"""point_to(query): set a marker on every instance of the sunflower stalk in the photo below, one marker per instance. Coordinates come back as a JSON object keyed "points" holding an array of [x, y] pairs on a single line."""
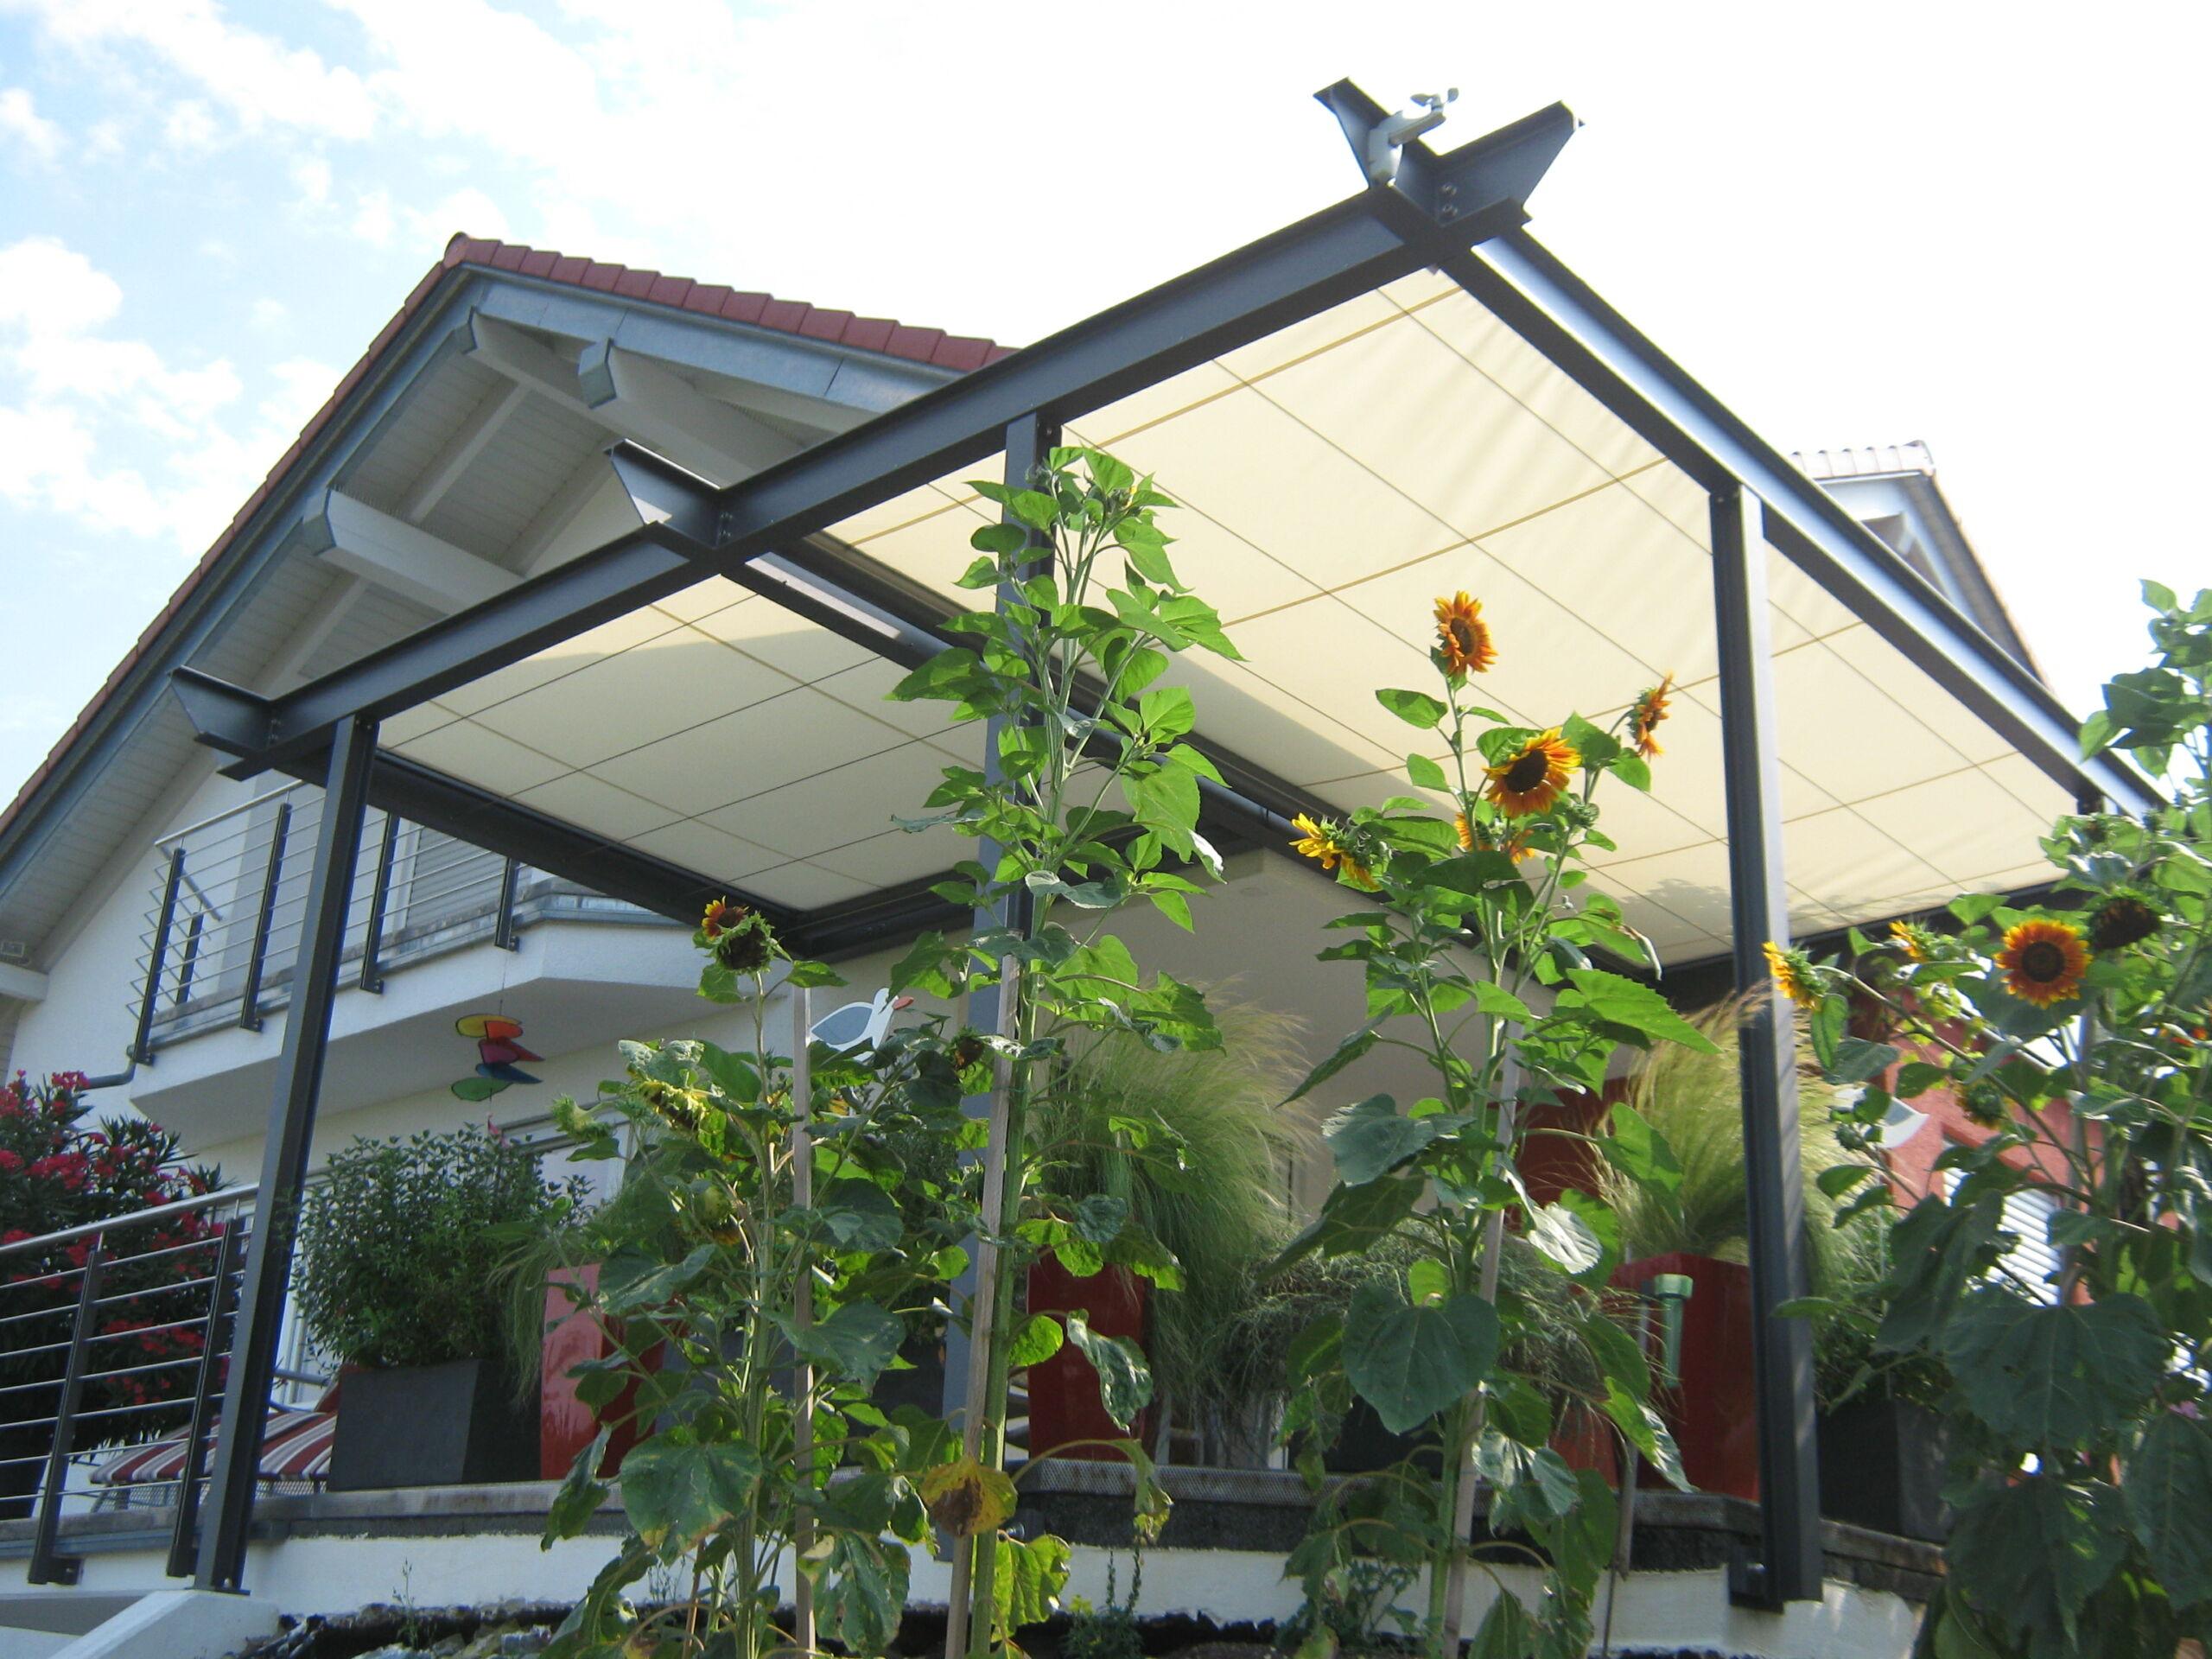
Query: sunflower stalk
{"points": [[1089, 612], [2074, 1037], [1476, 911]]}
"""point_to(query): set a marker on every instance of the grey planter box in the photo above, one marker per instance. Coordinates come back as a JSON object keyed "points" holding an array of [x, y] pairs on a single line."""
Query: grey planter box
{"points": [[456, 1424]]}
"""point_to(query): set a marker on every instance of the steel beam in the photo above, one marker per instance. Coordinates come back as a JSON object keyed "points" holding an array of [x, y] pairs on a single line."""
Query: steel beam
{"points": [[284, 1153], [533, 616], [1342, 252], [1782, 1349], [1562, 317]]}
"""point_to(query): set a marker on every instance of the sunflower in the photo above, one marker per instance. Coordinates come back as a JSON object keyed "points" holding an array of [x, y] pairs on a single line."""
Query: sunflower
{"points": [[1465, 826], [2043, 961], [1644, 717], [721, 915], [744, 943], [1324, 842], [1793, 974], [1464, 645], [1532, 777], [1917, 942], [2120, 921]]}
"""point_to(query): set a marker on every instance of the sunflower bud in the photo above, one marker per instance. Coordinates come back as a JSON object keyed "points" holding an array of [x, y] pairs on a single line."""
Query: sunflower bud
{"points": [[745, 943], [1984, 1102], [2120, 921]]}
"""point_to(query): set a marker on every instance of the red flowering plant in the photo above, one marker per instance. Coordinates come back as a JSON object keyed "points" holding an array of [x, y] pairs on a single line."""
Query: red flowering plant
{"points": [[58, 1170]]}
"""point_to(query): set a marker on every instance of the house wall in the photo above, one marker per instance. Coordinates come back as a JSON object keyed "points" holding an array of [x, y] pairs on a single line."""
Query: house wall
{"points": [[95, 969]]}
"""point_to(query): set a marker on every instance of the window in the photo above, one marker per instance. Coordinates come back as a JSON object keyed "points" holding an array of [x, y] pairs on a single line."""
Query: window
{"points": [[2032, 1263]]}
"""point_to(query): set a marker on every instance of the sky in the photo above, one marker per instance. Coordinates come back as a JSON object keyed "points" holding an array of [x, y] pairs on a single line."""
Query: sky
{"points": [[1978, 226]]}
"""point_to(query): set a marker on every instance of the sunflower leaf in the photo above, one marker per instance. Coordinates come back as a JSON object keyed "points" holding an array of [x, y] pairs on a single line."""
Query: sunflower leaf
{"points": [[1414, 708]]}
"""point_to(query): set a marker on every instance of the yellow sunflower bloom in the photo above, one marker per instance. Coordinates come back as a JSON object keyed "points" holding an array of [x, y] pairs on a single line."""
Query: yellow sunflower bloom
{"points": [[1532, 777], [2043, 961], [1463, 637], [1917, 942], [1323, 842], [1465, 826], [1793, 975], [1644, 719]]}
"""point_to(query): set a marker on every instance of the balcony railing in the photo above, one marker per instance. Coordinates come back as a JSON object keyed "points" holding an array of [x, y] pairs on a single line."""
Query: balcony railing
{"points": [[228, 894], [113, 1333], [115, 1339]]}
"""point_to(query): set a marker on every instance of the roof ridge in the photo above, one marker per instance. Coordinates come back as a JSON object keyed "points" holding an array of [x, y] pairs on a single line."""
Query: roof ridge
{"points": [[884, 335]]}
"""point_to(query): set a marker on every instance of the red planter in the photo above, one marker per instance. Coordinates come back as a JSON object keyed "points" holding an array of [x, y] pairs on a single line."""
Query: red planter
{"points": [[1064, 1402], [1713, 1410], [565, 1424]]}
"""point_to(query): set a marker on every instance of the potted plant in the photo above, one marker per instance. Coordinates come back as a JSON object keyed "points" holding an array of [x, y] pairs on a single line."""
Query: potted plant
{"points": [[1197, 1144], [1693, 1099], [400, 1246], [1885, 1445]]}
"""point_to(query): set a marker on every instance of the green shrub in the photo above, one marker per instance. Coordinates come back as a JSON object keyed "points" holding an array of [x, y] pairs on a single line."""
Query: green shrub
{"points": [[401, 1243], [1212, 1183]]}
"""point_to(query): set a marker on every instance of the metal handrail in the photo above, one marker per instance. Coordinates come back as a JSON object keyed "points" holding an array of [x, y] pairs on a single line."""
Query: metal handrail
{"points": [[86, 1229], [215, 818]]}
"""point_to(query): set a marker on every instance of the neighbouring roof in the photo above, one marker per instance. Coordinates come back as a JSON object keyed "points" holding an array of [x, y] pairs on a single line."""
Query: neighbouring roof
{"points": [[1860, 475], [1866, 461], [884, 335]]}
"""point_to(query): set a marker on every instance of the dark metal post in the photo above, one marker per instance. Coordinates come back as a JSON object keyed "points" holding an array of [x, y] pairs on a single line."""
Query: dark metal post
{"points": [[47, 1564], [142, 1045], [284, 1154], [503, 924], [1028, 442], [188, 964], [250, 1004], [1782, 1349], [214, 1337], [372, 980]]}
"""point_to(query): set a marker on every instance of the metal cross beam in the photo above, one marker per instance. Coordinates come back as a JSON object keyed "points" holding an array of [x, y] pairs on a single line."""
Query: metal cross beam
{"points": [[1348, 249], [1563, 318]]}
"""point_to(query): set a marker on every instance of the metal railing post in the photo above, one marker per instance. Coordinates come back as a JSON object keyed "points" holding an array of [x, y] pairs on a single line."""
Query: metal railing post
{"points": [[1782, 1349], [250, 1004], [372, 978], [215, 1337], [142, 1045], [284, 1155], [503, 924], [47, 1564], [188, 964]]}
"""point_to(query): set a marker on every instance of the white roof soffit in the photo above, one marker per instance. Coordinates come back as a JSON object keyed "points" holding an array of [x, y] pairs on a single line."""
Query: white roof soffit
{"points": [[1335, 478]]}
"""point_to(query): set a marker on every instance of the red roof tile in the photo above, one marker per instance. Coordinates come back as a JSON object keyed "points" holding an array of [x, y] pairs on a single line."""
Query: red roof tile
{"points": [[878, 334]]}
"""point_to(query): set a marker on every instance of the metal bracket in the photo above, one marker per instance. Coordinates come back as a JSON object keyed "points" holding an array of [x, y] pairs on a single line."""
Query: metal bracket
{"points": [[1748, 1581], [1486, 182]]}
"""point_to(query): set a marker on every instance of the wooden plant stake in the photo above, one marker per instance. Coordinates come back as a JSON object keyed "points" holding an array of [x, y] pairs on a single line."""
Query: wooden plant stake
{"points": [[967, 1596], [802, 1155]]}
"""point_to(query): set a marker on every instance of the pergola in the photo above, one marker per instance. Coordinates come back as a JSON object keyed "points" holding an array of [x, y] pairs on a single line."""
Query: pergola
{"points": [[1402, 395]]}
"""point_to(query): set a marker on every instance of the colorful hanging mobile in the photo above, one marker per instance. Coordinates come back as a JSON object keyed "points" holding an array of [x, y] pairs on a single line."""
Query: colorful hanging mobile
{"points": [[498, 1055]]}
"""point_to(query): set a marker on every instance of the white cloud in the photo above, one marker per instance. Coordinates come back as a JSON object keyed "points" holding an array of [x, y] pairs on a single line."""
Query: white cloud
{"points": [[311, 175], [21, 121], [190, 126], [269, 315], [104, 431], [47, 288], [372, 217], [104, 139], [468, 209], [255, 77]]}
